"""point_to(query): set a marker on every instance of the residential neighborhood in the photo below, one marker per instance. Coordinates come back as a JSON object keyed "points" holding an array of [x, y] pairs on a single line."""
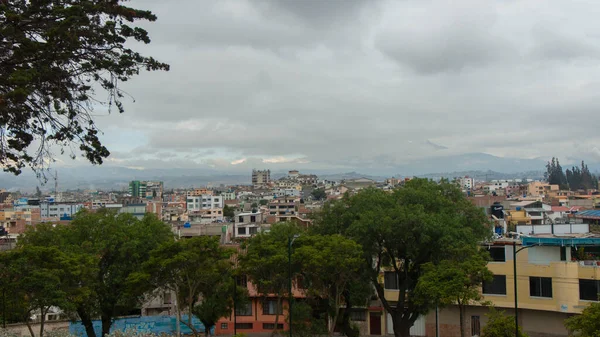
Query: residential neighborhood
{"points": [[299, 168], [556, 274]]}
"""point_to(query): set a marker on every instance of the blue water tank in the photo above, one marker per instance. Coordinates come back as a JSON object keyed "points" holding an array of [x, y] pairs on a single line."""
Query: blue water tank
{"points": [[518, 208], [187, 225]]}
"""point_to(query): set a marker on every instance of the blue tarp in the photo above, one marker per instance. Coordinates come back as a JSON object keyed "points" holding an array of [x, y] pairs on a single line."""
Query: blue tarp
{"points": [[147, 324]]}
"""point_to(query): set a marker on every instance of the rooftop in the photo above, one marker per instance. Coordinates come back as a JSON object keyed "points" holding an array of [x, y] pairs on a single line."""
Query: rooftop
{"points": [[588, 214], [587, 239]]}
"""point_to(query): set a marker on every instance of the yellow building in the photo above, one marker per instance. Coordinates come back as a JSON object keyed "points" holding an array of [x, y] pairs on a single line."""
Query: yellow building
{"points": [[557, 277], [538, 188], [514, 218]]}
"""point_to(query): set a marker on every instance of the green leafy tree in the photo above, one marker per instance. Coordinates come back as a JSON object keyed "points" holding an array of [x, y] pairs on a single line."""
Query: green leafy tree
{"points": [[319, 194], [228, 211], [219, 303], [54, 57], [33, 277], [402, 231], [587, 324], [104, 249], [266, 262], [192, 268], [263, 202], [38, 192], [456, 281], [500, 325], [329, 264], [305, 323]]}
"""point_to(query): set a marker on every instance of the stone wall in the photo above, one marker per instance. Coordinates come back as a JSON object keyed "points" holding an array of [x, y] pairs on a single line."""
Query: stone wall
{"points": [[20, 329]]}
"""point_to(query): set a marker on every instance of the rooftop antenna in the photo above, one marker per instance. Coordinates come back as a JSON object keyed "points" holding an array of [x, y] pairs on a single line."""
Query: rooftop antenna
{"points": [[56, 184]]}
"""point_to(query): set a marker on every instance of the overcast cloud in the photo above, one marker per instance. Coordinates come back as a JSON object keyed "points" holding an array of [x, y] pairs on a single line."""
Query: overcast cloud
{"points": [[361, 83]]}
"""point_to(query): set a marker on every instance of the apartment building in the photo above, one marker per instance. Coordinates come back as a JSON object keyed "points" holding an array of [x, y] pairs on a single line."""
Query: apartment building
{"points": [[15, 221], [466, 183], [538, 188], [557, 277], [261, 178], [247, 224], [62, 211], [204, 216], [204, 201], [146, 189], [283, 206]]}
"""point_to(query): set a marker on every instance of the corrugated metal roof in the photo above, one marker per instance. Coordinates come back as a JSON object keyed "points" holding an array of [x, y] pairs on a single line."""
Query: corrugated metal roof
{"points": [[588, 214]]}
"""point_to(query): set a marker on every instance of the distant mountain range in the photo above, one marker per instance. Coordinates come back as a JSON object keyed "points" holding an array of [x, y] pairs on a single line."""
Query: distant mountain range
{"points": [[478, 165]]}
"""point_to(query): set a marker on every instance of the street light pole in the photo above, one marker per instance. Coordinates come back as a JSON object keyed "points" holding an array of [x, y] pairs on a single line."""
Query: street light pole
{"points": [[291, 297], [515, 281], [515, 252]]}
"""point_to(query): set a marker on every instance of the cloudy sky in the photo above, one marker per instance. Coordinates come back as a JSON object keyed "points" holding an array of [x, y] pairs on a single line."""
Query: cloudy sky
{"points": [[335, 84]]}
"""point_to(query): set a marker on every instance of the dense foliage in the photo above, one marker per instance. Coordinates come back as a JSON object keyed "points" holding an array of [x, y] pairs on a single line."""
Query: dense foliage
{"points": [[194, 268], [97, 254], [54, 56], [500, 325], [587, 324], [575, 178], [401, 232]]}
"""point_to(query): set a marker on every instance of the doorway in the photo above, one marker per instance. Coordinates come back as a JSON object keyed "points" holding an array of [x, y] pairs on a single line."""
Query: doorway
{"points": [[375, 323]]}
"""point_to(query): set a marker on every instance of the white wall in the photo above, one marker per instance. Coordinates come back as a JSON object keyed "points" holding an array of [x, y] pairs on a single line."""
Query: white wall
{"points": [[418, 329], [543, 254], [558, 229]]}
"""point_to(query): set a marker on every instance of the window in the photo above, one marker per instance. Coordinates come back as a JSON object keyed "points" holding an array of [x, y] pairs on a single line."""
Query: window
{"points": [[242, 230], [497, 286], [243, 326], [271, 326], [244, 310], [540, 286], [241, 219], [252, 218], [241, 280], [475, 326], [563, 253], [223, 326], [270, 308], [216, 200], [253, 230], [301, 282], [390, 280], [589, 290], [167, 298], [498, 254], [358, 315]]}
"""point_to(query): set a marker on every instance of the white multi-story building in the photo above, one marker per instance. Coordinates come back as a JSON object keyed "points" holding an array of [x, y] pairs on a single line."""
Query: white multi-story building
{"points": [[59, 210], [205, 201], [466, 183]]}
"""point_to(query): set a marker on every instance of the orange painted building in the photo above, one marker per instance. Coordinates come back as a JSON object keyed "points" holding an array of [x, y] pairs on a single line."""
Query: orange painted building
{"points": [[258, 316]]}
